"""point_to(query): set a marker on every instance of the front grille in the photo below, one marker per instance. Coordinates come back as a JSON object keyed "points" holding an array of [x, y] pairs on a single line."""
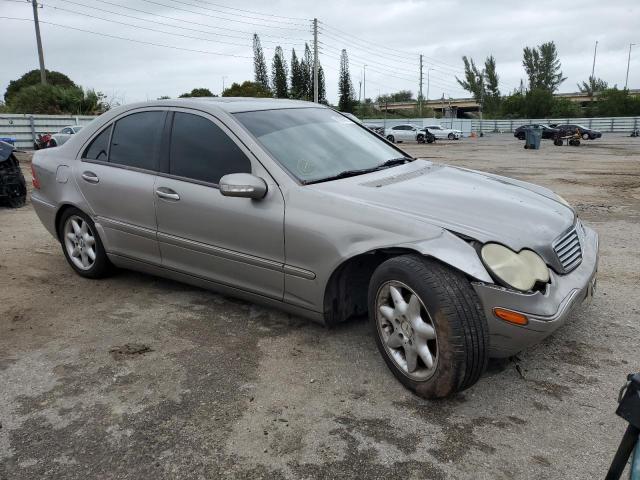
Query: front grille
{"points": [[568, 250]]}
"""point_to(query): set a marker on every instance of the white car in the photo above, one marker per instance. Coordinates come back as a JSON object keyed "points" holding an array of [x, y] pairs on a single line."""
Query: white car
{"points": [[440, 132], [404, 133], [64, 134]]}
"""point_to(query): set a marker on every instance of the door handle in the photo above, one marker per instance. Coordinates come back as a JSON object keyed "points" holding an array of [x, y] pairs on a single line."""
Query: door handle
{"points": [[90, 177], [167, 194]]}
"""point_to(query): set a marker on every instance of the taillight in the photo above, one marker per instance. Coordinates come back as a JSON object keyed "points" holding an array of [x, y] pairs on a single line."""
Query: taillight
{"points": [[35, 181]]}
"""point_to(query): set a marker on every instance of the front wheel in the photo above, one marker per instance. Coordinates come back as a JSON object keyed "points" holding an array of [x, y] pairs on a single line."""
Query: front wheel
{"points": [[82, 246], [585, 136], [429, 325], [391, 139], [451, 136]]}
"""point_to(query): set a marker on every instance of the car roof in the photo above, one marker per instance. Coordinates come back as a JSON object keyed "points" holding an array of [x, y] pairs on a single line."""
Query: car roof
{"points": [[227, 104]]}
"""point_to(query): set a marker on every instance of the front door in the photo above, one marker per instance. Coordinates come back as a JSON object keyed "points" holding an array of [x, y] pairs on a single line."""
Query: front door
{"points": [[237, 242], [116, 175]]}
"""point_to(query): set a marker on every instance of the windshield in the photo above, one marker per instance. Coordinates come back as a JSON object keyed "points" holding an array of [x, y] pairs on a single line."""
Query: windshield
{"points": [[317, 143]]}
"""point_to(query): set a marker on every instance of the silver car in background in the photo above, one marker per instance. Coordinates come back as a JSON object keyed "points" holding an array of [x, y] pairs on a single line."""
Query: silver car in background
{"points": [[64, 134], [293, 205]]}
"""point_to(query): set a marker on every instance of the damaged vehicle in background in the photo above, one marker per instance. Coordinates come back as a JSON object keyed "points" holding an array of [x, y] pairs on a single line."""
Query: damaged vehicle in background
{"points": [[291, 204]]}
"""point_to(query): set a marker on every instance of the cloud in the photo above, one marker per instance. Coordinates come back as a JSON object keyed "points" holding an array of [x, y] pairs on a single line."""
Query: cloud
{"points": [[387, 36]]}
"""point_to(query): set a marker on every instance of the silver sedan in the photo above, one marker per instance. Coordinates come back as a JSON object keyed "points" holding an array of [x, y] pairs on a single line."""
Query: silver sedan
{"points": [[294, 205]]}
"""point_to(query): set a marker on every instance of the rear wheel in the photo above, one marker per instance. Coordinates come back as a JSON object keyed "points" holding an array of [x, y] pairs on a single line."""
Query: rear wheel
{"points": [[82, 246], [429, 325], [391, 139]]}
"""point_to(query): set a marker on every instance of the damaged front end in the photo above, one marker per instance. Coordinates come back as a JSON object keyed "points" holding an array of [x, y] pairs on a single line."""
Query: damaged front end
{"points": [[13, 188]]}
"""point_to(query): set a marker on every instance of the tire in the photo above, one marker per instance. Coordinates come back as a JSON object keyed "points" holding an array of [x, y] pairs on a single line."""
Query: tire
{"points": [[391, 139], [558, 142], [448, 305], [521, 136], [585, 136], [100, 266], [420, 138], [431, 139], [36, 146], [52, 143], [451, 136]]}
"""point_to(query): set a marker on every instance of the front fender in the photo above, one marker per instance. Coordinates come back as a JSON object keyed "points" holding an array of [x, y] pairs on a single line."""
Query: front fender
{"points": [[452, 250]]}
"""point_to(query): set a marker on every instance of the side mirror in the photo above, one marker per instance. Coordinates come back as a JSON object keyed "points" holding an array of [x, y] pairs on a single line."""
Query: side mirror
{"points": [[243, 185]]}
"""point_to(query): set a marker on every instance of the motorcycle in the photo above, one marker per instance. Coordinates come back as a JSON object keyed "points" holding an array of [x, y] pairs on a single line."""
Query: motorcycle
{"points": [[44, 141]]}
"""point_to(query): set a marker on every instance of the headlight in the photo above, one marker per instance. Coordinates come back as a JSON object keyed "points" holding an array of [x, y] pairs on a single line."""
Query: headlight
{"points": [[519, 270]]}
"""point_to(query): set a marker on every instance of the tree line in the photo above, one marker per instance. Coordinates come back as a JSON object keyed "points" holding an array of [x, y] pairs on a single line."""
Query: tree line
{"points": [[536, 99]]}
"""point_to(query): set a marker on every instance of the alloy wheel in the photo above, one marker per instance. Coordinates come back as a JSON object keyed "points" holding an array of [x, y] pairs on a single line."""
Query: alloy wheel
{"points": [[406, 330], [80, 242]]}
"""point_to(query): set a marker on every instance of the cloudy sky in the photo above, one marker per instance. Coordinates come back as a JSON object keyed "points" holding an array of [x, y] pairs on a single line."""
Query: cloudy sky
{"points": [[198, 43]]}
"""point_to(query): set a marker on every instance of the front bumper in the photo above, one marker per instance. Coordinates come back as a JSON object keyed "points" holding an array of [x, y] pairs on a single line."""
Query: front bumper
{"points": [[546, 311]]}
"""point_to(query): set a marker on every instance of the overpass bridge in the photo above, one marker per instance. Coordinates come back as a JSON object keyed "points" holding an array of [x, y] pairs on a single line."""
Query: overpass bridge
{"points": [[458, 106]]}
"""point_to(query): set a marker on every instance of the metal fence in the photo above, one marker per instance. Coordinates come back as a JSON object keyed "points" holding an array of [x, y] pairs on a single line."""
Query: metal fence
{"points": [[603, 124], [23, 129]]}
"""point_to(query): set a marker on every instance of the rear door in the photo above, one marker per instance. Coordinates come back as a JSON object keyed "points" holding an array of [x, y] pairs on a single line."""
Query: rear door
{"points": [[237, 242], [117, 174]]}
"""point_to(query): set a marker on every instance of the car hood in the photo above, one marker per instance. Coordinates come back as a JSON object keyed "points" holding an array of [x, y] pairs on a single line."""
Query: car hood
{"points": [[479, 205]]}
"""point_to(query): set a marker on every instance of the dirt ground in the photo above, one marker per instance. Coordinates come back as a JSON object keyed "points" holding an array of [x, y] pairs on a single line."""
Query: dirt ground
{"points": [[139, 377]]}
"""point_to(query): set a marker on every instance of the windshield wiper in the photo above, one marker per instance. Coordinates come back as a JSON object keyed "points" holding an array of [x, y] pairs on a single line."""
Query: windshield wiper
{"points": [[361, 171], [393, 162]]}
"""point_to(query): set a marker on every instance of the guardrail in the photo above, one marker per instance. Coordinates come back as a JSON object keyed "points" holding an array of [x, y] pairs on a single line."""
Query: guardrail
{"points": [[24, 128]]}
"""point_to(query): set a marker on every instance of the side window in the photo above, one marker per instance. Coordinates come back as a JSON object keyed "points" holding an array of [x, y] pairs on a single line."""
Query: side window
{"points": [[397, 128], [136, 140], [200, 150], [98, 148], [66, 130]]}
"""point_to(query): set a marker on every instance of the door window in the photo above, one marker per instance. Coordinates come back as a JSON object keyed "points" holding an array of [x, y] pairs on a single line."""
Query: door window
{"points": [[201, 151], [136, 140], [98, 149]]}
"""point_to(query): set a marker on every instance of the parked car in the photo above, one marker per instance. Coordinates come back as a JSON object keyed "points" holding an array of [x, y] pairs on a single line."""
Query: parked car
{"points": [[441, 132], [547, 131], [63, 135], [407, 133], [282, 202], [570, 128]]}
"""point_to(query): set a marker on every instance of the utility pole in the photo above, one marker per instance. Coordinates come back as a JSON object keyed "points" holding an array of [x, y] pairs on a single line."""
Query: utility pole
{"points": [[364, 89], [593, 68], [420, 94], [626, 82], [43, 73], [223, 77], [481, 82], [315, 60], [428, 83]]}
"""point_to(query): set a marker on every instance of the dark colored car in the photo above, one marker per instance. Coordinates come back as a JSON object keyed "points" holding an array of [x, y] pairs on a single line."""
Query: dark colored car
{"points": [[570, 128], [428, 136], [547, 131], [375, 128]]}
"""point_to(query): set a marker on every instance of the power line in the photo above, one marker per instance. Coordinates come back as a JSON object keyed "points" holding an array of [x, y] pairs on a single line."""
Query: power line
{"points": [[147, 28], [239, 15], [251, 11], [130, 39], [222, 18], [194, 23]]}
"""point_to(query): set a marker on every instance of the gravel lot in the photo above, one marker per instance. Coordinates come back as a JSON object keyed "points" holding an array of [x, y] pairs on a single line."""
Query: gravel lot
{"points": [[233, 390]]}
